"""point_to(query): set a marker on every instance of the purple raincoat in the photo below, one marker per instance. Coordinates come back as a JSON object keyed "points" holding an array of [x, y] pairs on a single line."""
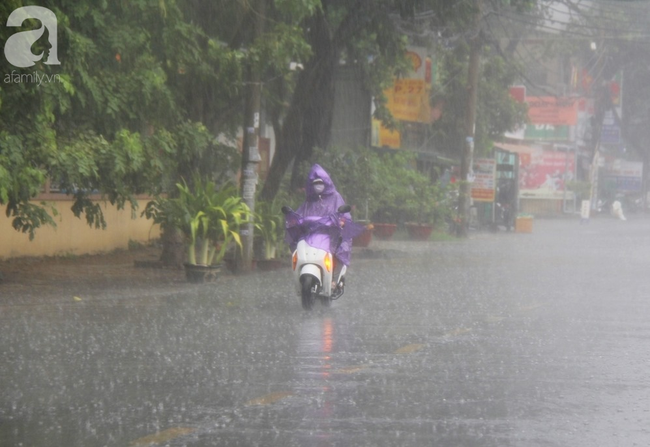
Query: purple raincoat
{"points": [[326, 203]]}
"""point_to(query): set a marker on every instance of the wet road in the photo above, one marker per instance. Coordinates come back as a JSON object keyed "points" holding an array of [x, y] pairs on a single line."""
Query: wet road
{"points": [[536, 339]]}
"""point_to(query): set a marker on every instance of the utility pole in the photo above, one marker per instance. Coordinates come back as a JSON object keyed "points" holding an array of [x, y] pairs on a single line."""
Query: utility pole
{"points": [[596, 133], [250, 152], [601, 94], [470, 124]]}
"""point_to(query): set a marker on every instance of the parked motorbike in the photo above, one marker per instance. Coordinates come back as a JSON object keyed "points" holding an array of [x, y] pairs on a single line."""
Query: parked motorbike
{"points": [[619, 204], [503, 216], [316, 239]]}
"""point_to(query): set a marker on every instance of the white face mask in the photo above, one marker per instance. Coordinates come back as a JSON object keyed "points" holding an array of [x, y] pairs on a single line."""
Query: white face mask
{"points": [[319, 188]]}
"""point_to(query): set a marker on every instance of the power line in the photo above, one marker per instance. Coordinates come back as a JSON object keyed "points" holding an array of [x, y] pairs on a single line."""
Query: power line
{"points": [[522, 18], [530, 56], [602, 6], [639, 37], [524, 75], [581, 10]]}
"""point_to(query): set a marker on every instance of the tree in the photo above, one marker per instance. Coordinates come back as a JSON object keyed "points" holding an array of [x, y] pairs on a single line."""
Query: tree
{"points": [[372, 35], [136, 104], [358, 30]]}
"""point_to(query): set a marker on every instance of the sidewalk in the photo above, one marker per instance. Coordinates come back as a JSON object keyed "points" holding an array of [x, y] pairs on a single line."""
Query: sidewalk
{"points": [[32, 280], [27, 279]]}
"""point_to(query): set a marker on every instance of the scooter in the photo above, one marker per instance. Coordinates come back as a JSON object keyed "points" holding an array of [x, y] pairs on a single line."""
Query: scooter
{"points": [[503, 216], [313, 259]]}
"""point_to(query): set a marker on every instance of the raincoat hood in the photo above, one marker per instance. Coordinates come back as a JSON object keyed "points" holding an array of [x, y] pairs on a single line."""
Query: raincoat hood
{"points": [[317, 171]]}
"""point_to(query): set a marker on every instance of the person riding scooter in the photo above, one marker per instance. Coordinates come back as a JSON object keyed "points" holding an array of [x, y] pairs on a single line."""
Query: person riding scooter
{"points": [[322, 199]]}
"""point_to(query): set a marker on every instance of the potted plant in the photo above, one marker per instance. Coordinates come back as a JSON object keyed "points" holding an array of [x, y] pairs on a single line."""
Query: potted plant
{"points": [[395, 191], [429, 207], [209, 218], [269, 234], [364, 239], [419, 216]]}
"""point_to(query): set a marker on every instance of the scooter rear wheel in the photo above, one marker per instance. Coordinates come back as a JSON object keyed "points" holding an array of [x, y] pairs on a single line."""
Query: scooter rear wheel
{"points": [[307, 283]]}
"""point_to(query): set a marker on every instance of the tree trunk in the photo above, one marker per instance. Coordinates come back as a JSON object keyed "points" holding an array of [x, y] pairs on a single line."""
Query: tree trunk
{"points": [[173, 253], [309, 119], [464, 196]]}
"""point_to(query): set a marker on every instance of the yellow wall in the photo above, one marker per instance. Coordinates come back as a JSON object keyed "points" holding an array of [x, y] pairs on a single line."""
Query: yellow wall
{"points": [[74, 236]]}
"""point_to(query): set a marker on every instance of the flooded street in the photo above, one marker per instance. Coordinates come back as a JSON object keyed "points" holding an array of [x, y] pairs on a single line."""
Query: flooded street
{"points": [[538, 339]]}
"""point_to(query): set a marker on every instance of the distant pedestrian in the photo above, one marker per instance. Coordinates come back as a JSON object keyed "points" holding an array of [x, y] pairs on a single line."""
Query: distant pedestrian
{"points": [[617, 210]]}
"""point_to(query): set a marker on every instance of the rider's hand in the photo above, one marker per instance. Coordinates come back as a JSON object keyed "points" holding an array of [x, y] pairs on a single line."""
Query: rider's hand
{"points": [[342, 222]]}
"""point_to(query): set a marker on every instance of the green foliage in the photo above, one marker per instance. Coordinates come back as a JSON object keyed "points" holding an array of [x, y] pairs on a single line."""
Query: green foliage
{"points": [[28, 217], [496, 112], [135, 105], [397, 182], [269, 225], [387, 182], [430, 204], [208, 217], [298, 9], [145, 86]]}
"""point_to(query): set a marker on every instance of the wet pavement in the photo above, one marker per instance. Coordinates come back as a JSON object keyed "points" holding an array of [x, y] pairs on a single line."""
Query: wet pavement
{"points": [[504, 339]]}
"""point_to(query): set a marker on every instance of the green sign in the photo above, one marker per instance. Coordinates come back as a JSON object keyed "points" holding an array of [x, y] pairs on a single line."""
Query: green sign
{"points": [[546, 132]]}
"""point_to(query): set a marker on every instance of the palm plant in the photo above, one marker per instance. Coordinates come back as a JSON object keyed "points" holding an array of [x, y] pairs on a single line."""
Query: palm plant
{"points": [[208, 217], [269, 226]]}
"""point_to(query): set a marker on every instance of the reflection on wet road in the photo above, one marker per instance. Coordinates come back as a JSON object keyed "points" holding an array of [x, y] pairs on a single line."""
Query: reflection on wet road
{"points": [[503, 340]]}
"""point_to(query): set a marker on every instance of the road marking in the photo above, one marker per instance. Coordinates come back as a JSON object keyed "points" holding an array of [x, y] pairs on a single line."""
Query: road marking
{"points": [[457, 332], [269, 398], [531, 307], [351, 369], [163, 436], [494, 319], [409, 348]]}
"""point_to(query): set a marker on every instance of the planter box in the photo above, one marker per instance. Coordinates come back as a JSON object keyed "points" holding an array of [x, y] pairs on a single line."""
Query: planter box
{"points": [[364, 239], [419, 232], [198, 273], [384, 231], [524, 225]]}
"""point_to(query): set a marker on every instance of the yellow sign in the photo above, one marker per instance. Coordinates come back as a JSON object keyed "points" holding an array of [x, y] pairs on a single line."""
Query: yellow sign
{"points": [[408, 100], [384, 137], [416, 60]]}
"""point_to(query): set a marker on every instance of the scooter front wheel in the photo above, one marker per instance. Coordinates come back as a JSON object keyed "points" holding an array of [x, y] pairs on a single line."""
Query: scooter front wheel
{"points": [[326, 301], [307, 283]]}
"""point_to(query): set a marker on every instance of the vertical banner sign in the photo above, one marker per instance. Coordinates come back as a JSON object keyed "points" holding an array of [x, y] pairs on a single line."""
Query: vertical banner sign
{"points": [[484, 185], [611, 132], [408, 98], [585, 208], [384, 137]]}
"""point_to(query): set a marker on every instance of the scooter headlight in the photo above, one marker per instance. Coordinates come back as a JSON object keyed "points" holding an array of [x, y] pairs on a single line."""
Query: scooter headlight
{"points": [[328, 262]]}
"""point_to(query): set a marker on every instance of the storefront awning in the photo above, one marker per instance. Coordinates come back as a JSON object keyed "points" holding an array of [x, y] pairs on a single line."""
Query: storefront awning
{"points": [[516, 148]]}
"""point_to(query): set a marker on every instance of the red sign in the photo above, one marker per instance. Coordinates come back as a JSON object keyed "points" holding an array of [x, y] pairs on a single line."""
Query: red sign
{"points": [[552, 110], [518, 93], [543, 174]]}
